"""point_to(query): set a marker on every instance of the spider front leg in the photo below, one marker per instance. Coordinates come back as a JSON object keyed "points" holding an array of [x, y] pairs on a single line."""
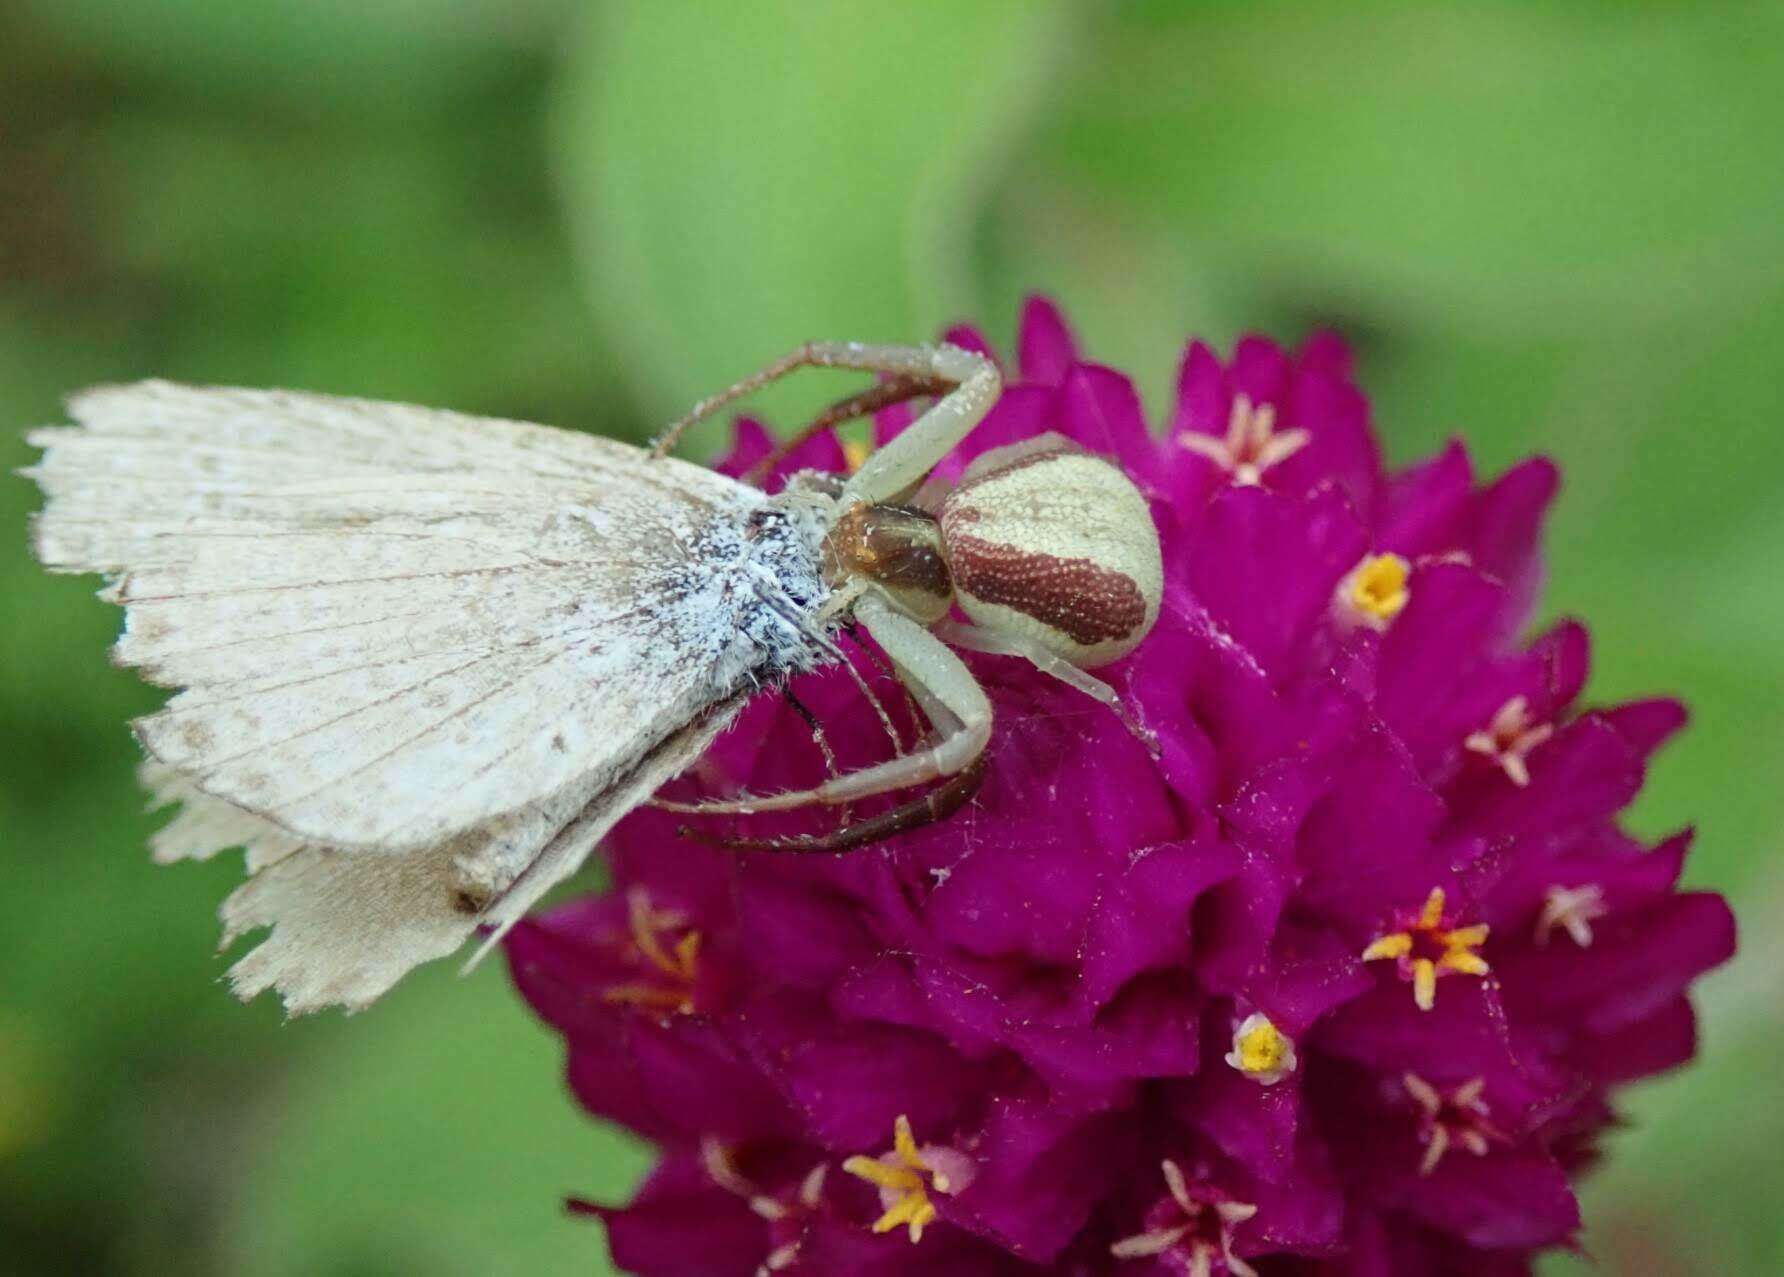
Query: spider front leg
{"points": [[861, 404], [904, 462]]}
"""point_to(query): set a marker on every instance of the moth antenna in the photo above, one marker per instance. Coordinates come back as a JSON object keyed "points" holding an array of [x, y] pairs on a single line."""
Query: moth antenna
{"points": [[490, 941], [768, 590], [493, 932]]}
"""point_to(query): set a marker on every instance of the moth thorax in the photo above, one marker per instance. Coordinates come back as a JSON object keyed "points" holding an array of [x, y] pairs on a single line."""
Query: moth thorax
{"points": [[1049, 542], [899, 550]]}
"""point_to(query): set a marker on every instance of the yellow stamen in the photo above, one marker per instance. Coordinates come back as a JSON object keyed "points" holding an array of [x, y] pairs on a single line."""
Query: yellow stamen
{"points": [[648, 928], [905, 1144], [1394, 945], [679, 961], [1196, 1252], [1424, 983], [904, 1177], [1434, 1150], [1375, 591], [1261, 1051], [1146, 1245], [913, 1210], [647, 995], [779, 1258], [877, 1172], [855, 452], [1425, 950], [722, 1170], [1465, 962], [1469, 937]]}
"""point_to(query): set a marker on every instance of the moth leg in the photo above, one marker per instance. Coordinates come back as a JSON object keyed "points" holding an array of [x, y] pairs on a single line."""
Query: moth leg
{"points": [[948, 693], [789, 612], [819, 737], [935, 804], [902, 463], [884, 395], [878, 706], [977, 639], [913, 714]]}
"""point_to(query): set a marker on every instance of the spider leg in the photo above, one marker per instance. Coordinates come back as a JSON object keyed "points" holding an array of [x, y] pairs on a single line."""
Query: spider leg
{"points": [[975, 380], [898, 390], [977, 639], [936, 804]]}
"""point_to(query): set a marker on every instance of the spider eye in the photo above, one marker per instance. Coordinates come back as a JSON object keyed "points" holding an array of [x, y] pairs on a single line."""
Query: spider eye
{"points": [[1050, 542]]}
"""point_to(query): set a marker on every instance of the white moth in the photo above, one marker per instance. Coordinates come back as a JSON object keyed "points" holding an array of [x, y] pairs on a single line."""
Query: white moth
{"points": [[428, 659]]}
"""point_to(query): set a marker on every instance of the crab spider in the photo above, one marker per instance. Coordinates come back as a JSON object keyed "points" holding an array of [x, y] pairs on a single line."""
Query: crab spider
{"points": [[1050, 552]]}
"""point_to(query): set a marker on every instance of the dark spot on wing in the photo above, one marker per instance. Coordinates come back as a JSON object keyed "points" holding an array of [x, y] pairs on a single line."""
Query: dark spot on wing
{"points": [[469, 903]]}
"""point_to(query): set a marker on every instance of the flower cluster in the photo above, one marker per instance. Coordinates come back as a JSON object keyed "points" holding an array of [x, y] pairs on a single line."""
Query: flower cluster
{"points": [[1340, 980]]}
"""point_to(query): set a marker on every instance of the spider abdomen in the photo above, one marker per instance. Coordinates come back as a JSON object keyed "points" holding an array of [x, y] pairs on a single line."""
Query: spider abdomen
{"points": [[1048, 542]]}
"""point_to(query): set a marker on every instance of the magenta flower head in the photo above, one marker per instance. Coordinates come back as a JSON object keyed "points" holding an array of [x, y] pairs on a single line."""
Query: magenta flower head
{"points": [[1341, 978]]}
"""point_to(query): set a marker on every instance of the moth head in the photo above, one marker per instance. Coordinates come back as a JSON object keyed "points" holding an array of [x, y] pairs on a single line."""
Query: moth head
{"points": [[1049, 542]]}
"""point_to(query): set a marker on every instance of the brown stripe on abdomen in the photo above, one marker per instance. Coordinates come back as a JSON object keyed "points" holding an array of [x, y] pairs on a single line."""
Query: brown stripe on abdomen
{"points": [[1090, 604]]}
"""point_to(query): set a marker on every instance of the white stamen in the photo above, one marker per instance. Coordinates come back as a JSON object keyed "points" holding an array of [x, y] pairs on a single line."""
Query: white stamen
{"points": [[1251, 445], [1509, 738], [1573, 909]]}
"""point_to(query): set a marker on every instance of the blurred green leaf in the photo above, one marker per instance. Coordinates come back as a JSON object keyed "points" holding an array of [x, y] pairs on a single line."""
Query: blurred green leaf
{"points": [[1558, 169], [1134, 289], [432, 1135], [376, 62], [741, 178], [344, 288]]}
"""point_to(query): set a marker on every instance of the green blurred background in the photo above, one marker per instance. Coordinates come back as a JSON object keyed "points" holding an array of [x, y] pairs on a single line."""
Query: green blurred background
{"points": [[1549, 227]]}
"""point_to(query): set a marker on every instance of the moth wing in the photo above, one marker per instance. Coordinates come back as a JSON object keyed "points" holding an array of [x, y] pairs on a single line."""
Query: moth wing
{"points": [[392, 625], [345, 927]]}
